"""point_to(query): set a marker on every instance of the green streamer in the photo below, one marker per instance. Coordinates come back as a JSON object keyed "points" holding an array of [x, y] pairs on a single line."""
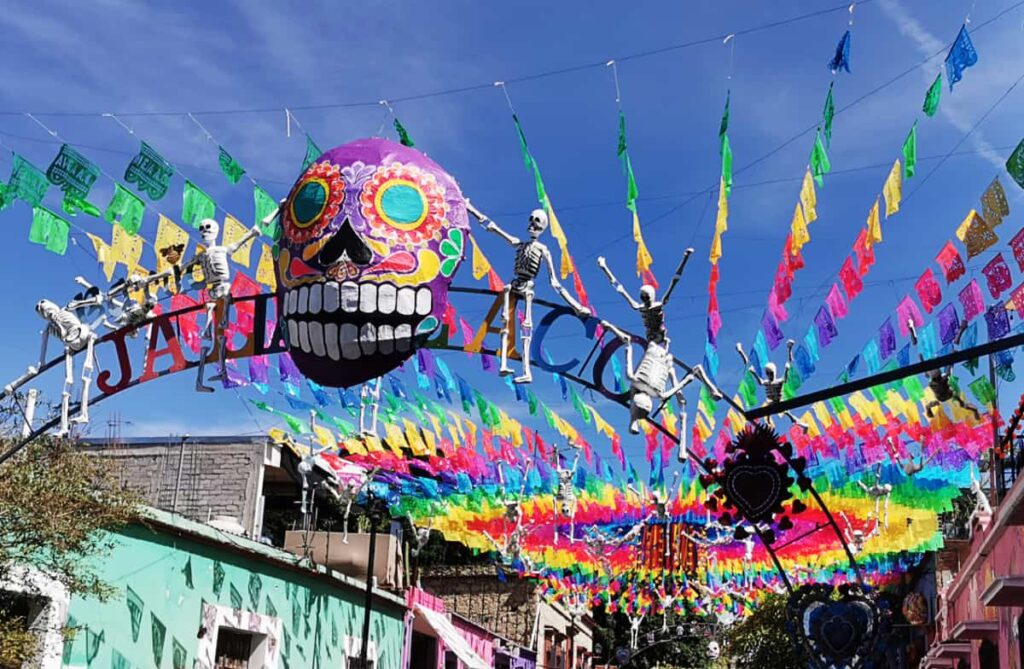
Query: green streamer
{"points": [[932, 97], [264, 205], [229, 166], [196, 205], [910, 152], [828, 114], [312, 153], [820, 166], [403, 134], [126, 209]]}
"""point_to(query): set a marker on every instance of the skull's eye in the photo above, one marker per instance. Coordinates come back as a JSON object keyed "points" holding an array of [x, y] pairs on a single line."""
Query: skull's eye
{"points": [[309, 203], [314, 202], [401, 204], [404, 204]]}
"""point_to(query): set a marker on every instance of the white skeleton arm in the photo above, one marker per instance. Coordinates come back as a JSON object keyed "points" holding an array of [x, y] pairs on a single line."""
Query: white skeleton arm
{"points": [[619, 288]]}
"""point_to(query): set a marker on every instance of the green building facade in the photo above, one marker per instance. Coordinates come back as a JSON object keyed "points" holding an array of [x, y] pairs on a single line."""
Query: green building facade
{"points": [[190, 596]]}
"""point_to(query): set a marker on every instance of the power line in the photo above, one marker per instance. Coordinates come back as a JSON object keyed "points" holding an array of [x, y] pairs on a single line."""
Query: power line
{"points": [[649, 222], [471, 87]]}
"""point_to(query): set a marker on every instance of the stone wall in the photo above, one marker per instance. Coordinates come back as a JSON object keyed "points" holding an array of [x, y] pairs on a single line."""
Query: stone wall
{"points": [[212, 476], [508, 609]]}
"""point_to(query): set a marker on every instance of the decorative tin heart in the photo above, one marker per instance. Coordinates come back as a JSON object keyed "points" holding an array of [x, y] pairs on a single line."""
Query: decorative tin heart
{"points": [[843, 633], [754, 489]]}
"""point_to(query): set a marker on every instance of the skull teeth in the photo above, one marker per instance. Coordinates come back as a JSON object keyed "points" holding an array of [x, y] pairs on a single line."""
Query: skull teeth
{"points": [[352, 297], [349, 341]]}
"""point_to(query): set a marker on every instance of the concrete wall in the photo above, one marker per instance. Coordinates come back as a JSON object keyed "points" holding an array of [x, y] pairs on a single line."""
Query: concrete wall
{"points": [[217, 476], [164, 581]]}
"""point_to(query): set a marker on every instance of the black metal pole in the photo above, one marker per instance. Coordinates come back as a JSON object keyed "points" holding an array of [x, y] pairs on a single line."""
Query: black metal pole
{"points": [[368, 601]]}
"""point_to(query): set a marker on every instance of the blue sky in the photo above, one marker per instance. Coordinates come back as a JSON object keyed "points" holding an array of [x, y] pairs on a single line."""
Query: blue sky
{"points": [[68, 63]]}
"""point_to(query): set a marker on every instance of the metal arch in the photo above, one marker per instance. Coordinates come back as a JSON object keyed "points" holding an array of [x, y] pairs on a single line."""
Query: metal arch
{"points": [[606, 352]]}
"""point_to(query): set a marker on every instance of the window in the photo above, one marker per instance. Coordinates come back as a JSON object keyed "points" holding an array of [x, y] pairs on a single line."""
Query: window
{"points": [[41, 603], [236, 639], [234, 649], [451, 660]]}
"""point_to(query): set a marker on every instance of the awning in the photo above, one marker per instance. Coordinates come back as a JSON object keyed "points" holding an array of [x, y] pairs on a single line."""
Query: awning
{"points": [[452, 638]]}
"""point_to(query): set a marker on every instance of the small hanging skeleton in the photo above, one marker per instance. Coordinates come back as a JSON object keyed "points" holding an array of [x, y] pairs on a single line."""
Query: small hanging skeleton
{"points": [[421, 535], [349, 492], [565, 494], [652, 379], [878, 491], [982, 507], [938, 379], [773, 385], [531, 255], [911, 466], [511, 549], [666, 598], [214, 260], [652, 310], [857, 538], [369, 407], [634, 629]]}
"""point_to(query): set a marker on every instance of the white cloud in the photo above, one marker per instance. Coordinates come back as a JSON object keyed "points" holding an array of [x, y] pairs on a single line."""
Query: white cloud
{"points": [[928, 43]]}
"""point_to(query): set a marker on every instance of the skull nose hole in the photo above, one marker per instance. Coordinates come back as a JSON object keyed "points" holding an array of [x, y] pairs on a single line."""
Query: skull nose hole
{"points": [[346, 241]]}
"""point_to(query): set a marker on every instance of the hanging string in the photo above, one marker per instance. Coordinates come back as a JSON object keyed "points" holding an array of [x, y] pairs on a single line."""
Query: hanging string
{"points": [[731, 41], [615, 76], [508, 99], [852, 7], [214, 141], [388, 112], [53, 133], [176, 167]]}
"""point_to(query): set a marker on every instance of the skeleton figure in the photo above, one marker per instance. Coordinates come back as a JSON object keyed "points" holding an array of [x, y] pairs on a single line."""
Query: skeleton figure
{"points": [[349, 491], [565, 494], [76, 336], [877, 491], [910, 467], [856, 538], [530, 256], [652, 310], [665, 599], [421, 535], [773, 385], [648, 381], [214, 261], [938, 379], [369, 407], [982, 508], [634, 629]]}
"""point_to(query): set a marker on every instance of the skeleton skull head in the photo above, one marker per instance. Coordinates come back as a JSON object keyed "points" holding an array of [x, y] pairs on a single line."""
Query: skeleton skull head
{"points": [[647, 295], [372, 234], [538, 223], [209, 230], [47, 309], [714, 650], [771, 371]]}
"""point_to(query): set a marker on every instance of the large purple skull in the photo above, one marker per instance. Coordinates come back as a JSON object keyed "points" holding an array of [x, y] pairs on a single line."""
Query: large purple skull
{"points": [[372, 234]]}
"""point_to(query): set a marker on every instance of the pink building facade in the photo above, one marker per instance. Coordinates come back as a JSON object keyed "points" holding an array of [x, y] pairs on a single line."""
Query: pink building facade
{"points": [[435, 639], [980, 611]]}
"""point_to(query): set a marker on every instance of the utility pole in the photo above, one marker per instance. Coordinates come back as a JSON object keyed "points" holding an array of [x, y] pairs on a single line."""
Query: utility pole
{"points": [[373, 513]]}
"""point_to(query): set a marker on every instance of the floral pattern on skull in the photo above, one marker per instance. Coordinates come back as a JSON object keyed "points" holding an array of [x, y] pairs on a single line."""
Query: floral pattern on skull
{"points": [[372, 234]]}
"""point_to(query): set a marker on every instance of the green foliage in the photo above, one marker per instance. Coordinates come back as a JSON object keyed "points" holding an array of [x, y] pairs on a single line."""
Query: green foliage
{"points": [[762, 640], [56, 504]]}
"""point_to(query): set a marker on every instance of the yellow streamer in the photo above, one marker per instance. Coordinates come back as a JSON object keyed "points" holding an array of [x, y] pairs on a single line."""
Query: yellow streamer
{"points": [[808, 198], [874, 226], [233, 232], [893, 189], [480, 265], [798, 230]]}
